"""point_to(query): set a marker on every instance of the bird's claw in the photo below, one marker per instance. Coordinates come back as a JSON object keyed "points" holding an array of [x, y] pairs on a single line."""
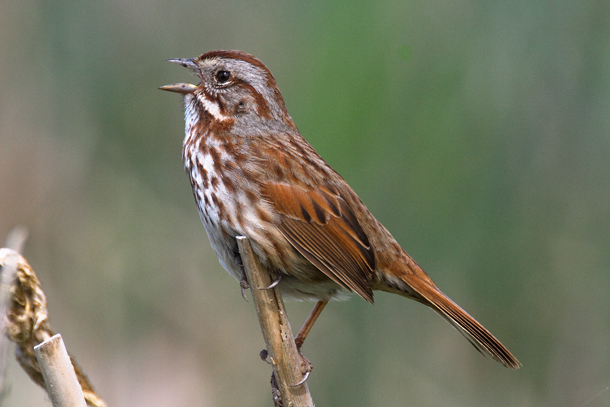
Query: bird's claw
{"points": [[274, 283], [306, 370], [303, 380]]}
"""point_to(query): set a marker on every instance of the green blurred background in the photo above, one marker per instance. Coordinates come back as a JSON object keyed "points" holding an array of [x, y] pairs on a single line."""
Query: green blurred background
{"points": [[477, 131]]}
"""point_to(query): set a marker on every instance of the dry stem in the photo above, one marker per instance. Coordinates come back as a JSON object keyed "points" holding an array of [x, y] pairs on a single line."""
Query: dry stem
{"points": [[26, 321], [282, 351], [61, 381]]}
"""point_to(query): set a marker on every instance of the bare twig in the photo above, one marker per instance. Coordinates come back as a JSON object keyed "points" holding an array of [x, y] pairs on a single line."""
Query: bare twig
{"points": [[287, 362], [26, 321], [62, 384]]}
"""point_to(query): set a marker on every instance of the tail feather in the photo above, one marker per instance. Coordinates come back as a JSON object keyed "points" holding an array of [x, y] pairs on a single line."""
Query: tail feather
{"points": [[476, 334], [426, 292]]}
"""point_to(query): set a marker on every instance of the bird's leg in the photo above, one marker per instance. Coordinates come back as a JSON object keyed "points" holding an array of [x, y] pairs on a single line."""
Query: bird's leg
{"points": [[302, 335], [243, 281], [311, 319]]}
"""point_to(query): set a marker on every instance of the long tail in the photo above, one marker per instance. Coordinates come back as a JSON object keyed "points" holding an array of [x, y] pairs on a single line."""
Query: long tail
{"points": [[424, 290], [478, 336]]}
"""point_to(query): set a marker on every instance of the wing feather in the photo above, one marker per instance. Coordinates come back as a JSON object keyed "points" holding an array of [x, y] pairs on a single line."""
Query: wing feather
{"points": [[321, 225]]}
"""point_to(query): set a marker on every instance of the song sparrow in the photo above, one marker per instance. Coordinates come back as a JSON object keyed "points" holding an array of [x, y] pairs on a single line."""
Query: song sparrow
{"points": [[253, 174]]}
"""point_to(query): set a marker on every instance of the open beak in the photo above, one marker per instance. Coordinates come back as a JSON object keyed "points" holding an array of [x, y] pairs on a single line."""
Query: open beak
{"points": [[184, 88]]}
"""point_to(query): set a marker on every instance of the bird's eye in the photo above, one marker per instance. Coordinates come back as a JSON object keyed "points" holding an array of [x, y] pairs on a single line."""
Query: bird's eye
{"points": [[223, 77]]}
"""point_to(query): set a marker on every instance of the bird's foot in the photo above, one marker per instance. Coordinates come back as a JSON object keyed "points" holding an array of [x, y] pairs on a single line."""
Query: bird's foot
{"points": [[306, 368], [243, 284], [243, 280]]}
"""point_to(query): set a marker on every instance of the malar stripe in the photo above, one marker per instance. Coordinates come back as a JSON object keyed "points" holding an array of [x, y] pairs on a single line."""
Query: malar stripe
{"points": [[211, 107]]}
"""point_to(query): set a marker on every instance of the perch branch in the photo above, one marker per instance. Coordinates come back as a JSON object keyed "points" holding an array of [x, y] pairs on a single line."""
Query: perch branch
{"points": [[285, 358]]}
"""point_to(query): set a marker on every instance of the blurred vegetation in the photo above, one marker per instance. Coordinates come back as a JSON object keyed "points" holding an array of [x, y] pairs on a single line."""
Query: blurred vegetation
{"points": [[477, 131]]}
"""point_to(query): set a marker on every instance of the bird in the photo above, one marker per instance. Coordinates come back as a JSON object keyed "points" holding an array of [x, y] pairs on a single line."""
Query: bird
{"points": [[254, 175]]}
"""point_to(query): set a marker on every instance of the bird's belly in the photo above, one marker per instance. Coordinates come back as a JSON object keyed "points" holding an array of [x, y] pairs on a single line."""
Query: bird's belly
{"points": [[226, 210], [299, 279]]}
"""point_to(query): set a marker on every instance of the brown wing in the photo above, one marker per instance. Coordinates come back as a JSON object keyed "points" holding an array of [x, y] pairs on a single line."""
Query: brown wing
{"points": [[321, 226]]}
